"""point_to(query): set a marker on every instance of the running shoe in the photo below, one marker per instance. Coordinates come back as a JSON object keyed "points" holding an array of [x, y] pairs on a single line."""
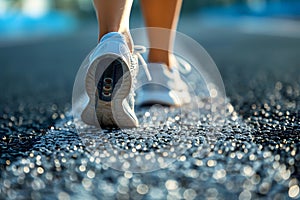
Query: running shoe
{"points": [[166, 87], [109, 80]]}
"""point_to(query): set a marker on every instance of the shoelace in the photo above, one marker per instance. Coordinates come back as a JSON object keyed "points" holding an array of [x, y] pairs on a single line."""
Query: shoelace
{"points": [[138, 50], [183, 66]]}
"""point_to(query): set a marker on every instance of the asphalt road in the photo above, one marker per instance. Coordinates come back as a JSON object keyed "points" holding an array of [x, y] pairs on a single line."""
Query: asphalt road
{"points": [[257, 156]]}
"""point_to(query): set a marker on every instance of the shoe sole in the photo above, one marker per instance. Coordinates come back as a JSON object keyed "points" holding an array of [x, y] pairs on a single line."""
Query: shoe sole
{"points": [[113, 88]]}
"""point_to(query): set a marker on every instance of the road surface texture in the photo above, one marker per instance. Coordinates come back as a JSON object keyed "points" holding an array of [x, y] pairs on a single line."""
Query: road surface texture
{"points": [[256, 156]]}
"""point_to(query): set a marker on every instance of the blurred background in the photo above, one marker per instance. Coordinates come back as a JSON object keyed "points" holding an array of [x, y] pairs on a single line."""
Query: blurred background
{"points": [[31, 18], [43, 42]]}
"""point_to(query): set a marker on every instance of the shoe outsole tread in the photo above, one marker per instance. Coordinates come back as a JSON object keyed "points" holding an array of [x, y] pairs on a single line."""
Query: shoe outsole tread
{"points": [[110, 111]]}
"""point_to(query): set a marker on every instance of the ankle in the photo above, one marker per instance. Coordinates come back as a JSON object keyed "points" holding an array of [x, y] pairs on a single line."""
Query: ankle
{"points": [[161, 56], [129, 40]]}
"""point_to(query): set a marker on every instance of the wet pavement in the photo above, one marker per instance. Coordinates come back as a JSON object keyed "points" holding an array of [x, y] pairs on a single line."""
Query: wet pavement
{"points": [[255, 154]]}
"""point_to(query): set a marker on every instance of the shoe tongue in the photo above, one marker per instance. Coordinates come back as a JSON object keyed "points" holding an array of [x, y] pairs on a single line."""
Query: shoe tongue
{"points": [[157, 67], [160, 68]]}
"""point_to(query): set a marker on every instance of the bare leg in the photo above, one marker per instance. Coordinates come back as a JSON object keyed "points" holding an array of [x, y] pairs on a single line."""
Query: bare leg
{"points": [[113, 16], [161, 14]]}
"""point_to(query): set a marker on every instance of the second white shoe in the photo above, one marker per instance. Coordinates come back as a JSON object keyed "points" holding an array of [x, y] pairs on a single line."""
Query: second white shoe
{"points": [[166, 87]]}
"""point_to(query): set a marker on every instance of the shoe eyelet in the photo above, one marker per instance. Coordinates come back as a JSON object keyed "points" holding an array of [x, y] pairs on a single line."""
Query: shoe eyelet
{"points": [[108, 80], [107, 87], [106, 94]]}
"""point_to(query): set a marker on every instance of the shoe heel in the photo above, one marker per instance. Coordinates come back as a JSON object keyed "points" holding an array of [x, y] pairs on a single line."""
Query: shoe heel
{"points": [[112, 88], [107, 84]]}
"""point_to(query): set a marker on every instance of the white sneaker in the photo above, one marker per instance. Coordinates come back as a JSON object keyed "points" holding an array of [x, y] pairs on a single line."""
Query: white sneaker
{"points": [[109, 82], [166, 87]]}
